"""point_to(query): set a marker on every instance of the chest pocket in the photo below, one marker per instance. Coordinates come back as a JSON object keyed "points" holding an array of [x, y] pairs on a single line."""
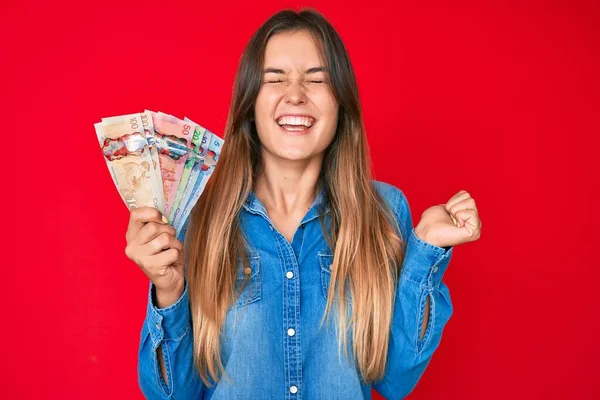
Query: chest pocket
{"points": [[247, 290], [326, 261]]}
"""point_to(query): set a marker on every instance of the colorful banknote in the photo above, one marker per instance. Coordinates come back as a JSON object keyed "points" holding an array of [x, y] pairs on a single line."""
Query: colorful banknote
{"points": [[128, 158], [193, 158], [158, 160], [150, 137], [206, 170], [173, 138], [194, 177]]}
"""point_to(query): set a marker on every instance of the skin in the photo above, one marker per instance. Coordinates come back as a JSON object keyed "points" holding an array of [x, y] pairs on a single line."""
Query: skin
{"points": [[292, 162]]}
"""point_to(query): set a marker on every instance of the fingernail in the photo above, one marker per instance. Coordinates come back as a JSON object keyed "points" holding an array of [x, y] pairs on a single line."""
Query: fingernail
{"points": [[165, 219]]}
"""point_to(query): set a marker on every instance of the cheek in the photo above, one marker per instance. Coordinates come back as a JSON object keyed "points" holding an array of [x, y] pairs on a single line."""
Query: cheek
{"points": [[332, 123], [332, 111], [259, 106], [328, 105], [263, 111], [266, 102]]}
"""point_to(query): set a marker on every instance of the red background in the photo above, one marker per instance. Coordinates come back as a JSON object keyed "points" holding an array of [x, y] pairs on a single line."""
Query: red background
{"points": [[498, 99]]}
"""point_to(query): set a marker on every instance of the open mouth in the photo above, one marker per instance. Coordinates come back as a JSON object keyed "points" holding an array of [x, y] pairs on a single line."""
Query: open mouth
{"points": [[296, 125]]}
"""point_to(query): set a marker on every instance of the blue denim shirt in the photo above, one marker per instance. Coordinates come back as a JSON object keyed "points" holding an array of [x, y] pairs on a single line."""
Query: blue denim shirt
{"points": [[272, 347]]}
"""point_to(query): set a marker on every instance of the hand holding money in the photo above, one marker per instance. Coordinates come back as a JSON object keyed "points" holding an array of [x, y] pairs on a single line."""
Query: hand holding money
{"points": [[160, 165], [152, 245]]}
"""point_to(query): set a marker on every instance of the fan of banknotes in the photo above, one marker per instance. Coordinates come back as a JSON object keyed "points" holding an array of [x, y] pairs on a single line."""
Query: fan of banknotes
{"points": [[158, 160]]}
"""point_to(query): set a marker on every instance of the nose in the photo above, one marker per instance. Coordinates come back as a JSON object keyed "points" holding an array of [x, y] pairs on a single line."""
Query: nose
{"points": [[294, 93]]}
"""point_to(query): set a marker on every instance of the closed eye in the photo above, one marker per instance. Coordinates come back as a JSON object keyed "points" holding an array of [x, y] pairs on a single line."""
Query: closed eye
{"points": [[279, 81]]}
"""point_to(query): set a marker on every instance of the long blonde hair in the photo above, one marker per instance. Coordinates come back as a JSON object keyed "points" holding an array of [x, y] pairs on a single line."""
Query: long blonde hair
{"points": [[367, 251]]}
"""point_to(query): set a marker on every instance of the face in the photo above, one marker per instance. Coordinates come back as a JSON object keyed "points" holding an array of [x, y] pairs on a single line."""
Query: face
{"points": [[296, 113]]}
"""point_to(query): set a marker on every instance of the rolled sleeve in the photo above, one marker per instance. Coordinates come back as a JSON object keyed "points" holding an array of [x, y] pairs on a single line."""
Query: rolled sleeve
{"points": [[170, 323]]}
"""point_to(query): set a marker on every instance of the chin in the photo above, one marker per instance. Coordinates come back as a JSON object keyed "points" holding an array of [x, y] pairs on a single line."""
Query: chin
{"points": [[292, 149], [294, 155]]}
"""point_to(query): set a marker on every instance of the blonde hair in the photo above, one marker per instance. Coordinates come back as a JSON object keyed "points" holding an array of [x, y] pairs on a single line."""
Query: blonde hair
{"points": [[367, 252]]}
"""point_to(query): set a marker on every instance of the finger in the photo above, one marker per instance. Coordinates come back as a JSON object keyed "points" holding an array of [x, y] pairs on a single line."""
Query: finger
{"points": [[140, 216], [151, 230], [168, 257], [469, 220], [454, 220], [466, 214], [463, 205], [162, 242], [461, 195]]}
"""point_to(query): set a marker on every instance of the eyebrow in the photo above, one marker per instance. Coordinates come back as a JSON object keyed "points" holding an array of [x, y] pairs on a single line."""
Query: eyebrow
{"points": [[312, 70]]}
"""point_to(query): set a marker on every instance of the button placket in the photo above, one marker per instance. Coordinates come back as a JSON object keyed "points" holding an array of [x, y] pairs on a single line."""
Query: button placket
{"points": [[291, 317]]}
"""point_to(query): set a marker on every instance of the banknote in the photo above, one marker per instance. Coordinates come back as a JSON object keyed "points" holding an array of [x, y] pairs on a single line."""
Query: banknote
{"points": [[173, 138], [206, 170], [151, 149], [193, 158], [193, 178], [158, 160], [151, 138], [128, 159]]}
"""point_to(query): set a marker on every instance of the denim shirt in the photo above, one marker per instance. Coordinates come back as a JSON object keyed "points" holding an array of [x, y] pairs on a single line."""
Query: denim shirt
{"points": [[272, 346]]}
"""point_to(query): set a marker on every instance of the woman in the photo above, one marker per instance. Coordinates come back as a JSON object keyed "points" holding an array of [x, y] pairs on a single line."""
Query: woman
{"points": [[290, 228]]}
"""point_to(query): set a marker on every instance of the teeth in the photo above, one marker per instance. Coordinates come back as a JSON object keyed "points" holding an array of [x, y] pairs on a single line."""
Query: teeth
{"points": [[301, 121]]}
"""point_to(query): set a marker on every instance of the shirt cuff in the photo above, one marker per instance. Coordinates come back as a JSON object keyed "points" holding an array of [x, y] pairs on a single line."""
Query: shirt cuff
{"points": [[170, 323], [424, 262]]}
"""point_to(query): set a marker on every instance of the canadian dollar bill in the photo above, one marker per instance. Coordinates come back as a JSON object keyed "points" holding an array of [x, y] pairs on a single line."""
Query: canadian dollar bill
{"points": [[173, 139], [194, 176], [151, 138], [128, 159], [206, 170], [193, 158], [158, 160]]}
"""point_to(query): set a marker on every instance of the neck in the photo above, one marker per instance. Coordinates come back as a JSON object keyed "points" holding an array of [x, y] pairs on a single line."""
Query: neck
{"points": [[287, 186]]}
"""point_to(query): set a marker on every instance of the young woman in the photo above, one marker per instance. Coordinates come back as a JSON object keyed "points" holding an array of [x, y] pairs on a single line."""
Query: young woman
{"points": [[290, 231]]}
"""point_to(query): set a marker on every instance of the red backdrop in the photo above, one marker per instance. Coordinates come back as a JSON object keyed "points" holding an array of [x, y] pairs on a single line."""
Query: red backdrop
{"points": [[498, 99]]}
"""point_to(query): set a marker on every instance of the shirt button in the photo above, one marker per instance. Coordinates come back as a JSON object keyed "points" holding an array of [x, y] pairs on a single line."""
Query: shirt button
{"points": [[303, 225], [293, 389], [247, 270], [291, 332], [435, 269], [289, 275]]}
